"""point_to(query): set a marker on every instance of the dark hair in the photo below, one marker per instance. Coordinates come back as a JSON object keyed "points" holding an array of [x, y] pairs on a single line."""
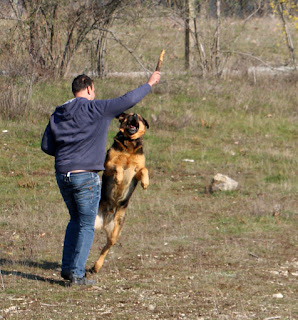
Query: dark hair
{"points": [[81, 82]]}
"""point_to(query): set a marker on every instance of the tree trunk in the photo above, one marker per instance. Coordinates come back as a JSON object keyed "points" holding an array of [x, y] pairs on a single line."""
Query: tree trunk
{"points": [[100, 54], [281, 9], [217, 39], [186, 36], [190, 17]]}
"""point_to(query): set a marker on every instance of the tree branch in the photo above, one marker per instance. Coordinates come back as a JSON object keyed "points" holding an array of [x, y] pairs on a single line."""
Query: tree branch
{"points": [[126, 48], [248, 55]]}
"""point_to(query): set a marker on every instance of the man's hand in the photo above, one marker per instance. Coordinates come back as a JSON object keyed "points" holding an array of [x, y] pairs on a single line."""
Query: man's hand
{"points": [[154, 78]]}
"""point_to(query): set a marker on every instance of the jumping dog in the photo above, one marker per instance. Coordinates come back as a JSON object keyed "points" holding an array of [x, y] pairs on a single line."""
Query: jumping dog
{"points": [[124, 168]]}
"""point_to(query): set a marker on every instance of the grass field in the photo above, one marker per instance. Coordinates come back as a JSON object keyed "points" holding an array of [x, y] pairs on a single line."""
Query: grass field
{"points": [[184, 253]]}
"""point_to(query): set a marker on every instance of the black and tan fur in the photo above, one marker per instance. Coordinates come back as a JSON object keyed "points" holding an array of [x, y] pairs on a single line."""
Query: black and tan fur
{"points": [[124, 168]]}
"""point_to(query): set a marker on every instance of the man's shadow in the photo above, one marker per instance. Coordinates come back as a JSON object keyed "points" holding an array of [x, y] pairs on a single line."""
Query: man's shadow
{"points": [[46, 265]]}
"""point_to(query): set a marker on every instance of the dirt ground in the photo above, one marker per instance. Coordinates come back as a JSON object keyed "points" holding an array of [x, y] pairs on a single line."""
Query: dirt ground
{"points": [[219, 263]]}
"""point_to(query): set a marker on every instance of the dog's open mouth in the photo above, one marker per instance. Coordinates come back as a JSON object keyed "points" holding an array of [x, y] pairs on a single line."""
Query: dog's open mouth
{"points": [[132, 129], [132, 124]]}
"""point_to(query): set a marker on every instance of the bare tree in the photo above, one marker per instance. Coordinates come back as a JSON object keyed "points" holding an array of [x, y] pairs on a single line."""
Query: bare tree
{"points": [[212, 62], [283, 13], [52, 31], [203, 19], [101, 34], [190, 14], [187, 33]]}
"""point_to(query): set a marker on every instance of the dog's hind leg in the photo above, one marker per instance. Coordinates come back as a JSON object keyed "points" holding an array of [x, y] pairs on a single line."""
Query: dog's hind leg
{"points": [[113, 230]]}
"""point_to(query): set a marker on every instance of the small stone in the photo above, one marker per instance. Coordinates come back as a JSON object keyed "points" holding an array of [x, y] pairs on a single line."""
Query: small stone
{"points": [[278, 296], [153, 117], [151, 307], [274, 272]]}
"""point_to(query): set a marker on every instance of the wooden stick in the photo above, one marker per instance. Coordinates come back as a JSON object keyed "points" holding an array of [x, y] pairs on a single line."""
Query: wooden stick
{"points": [[160, 60]]}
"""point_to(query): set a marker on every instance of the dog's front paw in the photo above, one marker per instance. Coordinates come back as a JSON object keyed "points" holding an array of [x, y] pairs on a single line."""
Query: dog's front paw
{"points": [[144, 177], [145, 184], [118, 177]]}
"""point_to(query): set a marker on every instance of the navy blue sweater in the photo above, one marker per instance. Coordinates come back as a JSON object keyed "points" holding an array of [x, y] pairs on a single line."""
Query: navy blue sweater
{"points": [[77, 131]]}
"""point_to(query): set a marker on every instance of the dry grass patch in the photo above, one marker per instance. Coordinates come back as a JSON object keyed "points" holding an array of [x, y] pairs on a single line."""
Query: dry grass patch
{"points": [[183, 253]]}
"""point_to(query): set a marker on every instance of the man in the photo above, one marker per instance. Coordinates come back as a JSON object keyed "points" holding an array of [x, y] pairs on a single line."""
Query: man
{"points": [[76, 135]]}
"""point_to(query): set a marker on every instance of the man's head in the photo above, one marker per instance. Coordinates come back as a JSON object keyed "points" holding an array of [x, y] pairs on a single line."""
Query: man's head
{"points": [[83, 86]]}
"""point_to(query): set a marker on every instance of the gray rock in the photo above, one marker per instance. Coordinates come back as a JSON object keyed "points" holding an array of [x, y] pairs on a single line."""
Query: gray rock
{"points": [[221, 182]]}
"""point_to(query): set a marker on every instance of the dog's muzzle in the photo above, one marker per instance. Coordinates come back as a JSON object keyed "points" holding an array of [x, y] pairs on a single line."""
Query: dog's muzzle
{"points": [[133, 124]]}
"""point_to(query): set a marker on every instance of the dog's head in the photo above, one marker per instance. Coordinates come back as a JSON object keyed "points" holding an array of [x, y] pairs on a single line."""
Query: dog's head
{"points": [[132, 125]]}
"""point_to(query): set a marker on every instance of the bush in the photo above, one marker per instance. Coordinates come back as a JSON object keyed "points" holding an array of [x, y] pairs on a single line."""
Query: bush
{"points": [[15, 95]]}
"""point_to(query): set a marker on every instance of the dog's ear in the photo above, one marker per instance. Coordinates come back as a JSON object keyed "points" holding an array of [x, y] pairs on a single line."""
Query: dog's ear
{"points": [[122, 116], [145, 123]]}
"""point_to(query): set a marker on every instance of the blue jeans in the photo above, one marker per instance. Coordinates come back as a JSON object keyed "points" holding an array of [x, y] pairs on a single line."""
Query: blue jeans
{"points": [[81, 193]]}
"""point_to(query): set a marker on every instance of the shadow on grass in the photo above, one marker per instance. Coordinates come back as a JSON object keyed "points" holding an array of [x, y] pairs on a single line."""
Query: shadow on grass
{"points": [[34, 277], [46, 265]]}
